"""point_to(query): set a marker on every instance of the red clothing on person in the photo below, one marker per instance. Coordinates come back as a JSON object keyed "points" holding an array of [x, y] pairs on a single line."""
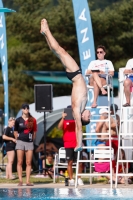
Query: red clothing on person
{"points": [[120, 170], [114, 143], [24, 133], [69, 135]]}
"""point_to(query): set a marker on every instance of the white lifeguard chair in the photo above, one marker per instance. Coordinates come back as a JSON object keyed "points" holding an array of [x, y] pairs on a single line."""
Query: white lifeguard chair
{"points": [[106, 151], [125, 132]]}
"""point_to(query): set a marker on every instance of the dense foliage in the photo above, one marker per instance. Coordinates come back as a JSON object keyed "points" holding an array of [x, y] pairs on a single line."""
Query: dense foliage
{"points": [[27, 50]]}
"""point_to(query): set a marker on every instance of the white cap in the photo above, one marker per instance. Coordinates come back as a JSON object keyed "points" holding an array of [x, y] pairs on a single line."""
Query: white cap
{"points": [[103, 110]]}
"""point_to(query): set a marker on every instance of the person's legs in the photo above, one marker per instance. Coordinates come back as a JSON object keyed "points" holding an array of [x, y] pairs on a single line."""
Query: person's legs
{"points": [[70, 156], [68, 62], [29, 154], [7, 174], [96, 93], [80, 182], [20, 155], [69, 168], [79, 90], [127, 84], [10, 157], [97, 83]]}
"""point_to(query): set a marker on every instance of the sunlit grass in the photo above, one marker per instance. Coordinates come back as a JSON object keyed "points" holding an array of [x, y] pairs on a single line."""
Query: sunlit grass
{"points": [[46, 180]]}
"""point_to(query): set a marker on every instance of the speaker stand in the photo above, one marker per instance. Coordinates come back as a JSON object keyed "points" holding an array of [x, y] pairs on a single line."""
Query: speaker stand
{"points": [[45, 170]]}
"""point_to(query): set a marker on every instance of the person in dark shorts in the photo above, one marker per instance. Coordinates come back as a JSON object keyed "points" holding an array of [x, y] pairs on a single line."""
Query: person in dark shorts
{"points": [[69, 139], [25, 133], [9, 139], [79, 89]]}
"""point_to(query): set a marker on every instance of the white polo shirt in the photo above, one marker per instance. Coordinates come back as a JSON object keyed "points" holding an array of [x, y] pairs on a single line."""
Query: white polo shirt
{"points": [[101, 64], [129, 64]]}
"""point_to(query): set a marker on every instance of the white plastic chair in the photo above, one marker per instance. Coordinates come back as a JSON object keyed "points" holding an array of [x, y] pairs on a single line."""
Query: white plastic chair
{"points": [[103, 164], [60, 164], [125, 140], [103, 153]]}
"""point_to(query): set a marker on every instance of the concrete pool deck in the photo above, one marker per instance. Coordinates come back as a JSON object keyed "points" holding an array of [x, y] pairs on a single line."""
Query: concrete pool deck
{"points": [[62, 185]]}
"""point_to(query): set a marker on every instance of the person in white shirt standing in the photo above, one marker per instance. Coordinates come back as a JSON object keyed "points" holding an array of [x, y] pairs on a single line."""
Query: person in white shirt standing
{"points": [[128, 83], [97, 69]]}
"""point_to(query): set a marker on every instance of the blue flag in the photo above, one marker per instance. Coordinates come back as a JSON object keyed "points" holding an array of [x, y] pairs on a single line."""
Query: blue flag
{"points": [[3, 55], [86, 52], [84, 33]]}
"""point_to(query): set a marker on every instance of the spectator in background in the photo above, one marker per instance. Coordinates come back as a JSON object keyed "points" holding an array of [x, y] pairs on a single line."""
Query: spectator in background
{"points": [[103, 127], [25, 133], [69, 139], [50, 150], [115, 130], [98, 79], [128, 83], [49, 163], [9, 139], [50, 147]]}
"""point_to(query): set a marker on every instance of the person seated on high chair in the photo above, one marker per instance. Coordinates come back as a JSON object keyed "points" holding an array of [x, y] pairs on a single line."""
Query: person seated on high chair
{"points": [[97, 69], [128, 83]]}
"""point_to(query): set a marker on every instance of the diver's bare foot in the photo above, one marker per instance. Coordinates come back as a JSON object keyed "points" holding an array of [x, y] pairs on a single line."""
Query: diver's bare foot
{"points": [[44, 26], [103, 91]]}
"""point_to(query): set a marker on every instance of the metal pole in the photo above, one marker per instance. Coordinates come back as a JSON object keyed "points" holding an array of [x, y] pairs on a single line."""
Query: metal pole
{"points": [[45, 141]]}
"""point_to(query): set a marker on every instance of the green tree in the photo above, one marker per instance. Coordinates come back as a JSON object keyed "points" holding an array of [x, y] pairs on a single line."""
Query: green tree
{"points": [[113, 28], [96, 4], [27, 48]]}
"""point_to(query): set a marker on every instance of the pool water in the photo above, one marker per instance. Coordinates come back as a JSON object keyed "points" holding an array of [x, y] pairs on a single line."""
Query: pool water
{"points": [[66, 193]]}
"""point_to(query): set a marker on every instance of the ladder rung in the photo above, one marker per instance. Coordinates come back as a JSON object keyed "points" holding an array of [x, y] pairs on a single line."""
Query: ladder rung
{"points": [[96, 134], [99, 120], [127, 120], [125, 161], [125, 134], [126, 107], [125, 147], [97, 107], [94, 161], [97, 138], [124, 174], [95, 174], [94, 147]]}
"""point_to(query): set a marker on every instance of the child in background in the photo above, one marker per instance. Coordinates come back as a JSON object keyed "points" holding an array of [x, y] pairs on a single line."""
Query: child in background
{"points": [[49, 163]]}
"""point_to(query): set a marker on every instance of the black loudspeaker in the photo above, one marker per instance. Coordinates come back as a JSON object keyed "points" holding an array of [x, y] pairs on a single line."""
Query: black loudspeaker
{"points": [[43, 97]]}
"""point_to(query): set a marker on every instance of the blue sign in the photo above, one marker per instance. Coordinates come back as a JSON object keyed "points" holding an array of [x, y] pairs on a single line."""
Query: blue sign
{"points": [[84, 33], [86, 50], [3, 56]]}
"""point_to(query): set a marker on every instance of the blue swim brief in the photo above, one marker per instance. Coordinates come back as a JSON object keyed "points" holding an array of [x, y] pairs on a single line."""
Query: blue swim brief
{"points": [[99, 142], [131, 78]]}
